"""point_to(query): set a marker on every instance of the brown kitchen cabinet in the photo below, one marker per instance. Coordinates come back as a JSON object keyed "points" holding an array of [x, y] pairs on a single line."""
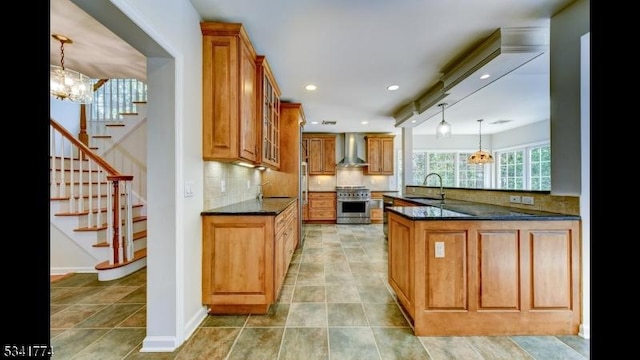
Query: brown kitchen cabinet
{"points": [[376, 213], [487, 278], [269, 114], [245, 260], [322, 206], [379, 155], [321, 149], [229, 119], [285, 182]]}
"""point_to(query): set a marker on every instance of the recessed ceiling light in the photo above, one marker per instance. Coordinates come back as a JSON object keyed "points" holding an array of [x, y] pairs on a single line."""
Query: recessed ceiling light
{"points": [[485, 76], [393, 87], [413, 121], [314, 122], [364, 122], [310, 87]]}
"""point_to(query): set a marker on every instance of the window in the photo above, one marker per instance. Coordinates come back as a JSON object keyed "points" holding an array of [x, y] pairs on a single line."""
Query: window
{"points": [[525, 168], [540, 168], [470, 175], [451, 166]]}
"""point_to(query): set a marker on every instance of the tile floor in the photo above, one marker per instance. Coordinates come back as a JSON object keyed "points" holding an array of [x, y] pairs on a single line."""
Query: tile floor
{"points": [[335, 304]]}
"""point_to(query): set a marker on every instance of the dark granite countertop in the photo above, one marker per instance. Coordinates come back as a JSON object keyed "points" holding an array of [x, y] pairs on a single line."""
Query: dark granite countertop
{"points": [[266, 206], [435, 209]]}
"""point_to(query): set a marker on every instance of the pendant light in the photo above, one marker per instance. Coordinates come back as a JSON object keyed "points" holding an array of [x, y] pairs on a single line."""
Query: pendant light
{"points": [[444, 128], [67, 84], [480, 156]]}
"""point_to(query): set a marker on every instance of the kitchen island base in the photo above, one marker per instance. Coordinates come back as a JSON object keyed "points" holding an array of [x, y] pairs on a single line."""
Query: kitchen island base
{"points": [[485, 278]]}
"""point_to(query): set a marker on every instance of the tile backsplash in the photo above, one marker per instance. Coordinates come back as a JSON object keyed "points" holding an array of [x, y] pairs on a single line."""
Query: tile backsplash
{"points": [[351, 176], [541, 201], [240, 184]]}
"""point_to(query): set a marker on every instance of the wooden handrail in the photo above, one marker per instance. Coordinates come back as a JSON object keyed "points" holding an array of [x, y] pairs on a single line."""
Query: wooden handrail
{"points": [[85, 149]]}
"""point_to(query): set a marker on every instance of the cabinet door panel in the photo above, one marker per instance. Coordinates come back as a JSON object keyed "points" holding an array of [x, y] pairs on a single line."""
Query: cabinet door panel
{"points": [[446, 285], [550, 269], [249, 123], [499, 270]]}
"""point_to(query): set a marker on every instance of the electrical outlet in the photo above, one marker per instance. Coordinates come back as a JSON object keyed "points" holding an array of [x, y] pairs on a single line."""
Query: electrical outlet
{"points": [[222, 186], [439, 249], [527, 200], [515, 199], [248, 184]]}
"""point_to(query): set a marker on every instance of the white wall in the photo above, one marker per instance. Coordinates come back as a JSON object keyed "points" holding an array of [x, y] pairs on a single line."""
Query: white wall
{"points": [[65, 256], [564, 66], [169, 36], [569, 125], [130, 157]]}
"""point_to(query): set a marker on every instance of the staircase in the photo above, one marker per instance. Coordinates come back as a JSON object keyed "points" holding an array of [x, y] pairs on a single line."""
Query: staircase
{"points": [[84, 179]]}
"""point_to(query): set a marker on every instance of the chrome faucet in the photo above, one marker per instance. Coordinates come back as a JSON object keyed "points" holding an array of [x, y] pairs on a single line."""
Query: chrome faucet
{"points": [[260, 193], [439, 178]]}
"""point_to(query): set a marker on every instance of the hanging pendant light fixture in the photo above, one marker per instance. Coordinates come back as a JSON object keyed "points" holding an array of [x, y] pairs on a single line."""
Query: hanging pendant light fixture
{"points": [[444, 128], [480, 156], [67, 84]]}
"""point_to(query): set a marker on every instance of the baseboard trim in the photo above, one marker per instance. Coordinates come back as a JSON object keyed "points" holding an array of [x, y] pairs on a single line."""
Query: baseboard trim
{"points": [[66, 270], [584, 331], [159, 344], [194, 323], [122, 271]]}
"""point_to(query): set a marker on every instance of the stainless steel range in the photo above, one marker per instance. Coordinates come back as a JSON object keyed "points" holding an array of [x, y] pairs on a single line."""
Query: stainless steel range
{"points": [[353, 204]]}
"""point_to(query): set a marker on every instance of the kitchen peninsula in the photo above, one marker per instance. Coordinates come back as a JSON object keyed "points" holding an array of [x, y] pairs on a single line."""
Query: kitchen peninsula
{"points": [[246, 250], [461, 268]]}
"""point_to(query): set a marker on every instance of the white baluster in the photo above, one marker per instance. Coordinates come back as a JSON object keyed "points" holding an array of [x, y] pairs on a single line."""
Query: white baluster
{"points": [[110, 226]]}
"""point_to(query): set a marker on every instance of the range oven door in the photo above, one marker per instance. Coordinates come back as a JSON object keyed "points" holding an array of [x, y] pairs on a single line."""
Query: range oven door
{"points": [[353, 212]]}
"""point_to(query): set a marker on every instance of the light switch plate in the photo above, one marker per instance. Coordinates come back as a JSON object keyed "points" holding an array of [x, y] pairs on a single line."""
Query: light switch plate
{"points": [[188, 188], [528, 200], [515, 199]]}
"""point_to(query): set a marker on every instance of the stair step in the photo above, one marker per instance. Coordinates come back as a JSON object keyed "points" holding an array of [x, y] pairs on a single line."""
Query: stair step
{"points": [[86, 212], [136, 236], [140, 254], [104, 226], [78, 197]]}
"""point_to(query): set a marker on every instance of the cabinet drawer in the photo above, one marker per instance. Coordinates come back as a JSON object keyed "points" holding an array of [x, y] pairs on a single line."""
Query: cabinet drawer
{"points": [[322, 214], [321, 204], [376, 214], [320, 195], [285, 217]]}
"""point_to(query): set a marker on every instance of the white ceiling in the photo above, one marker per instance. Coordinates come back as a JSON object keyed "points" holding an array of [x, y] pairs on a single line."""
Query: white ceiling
{"points": [[352, 50]]}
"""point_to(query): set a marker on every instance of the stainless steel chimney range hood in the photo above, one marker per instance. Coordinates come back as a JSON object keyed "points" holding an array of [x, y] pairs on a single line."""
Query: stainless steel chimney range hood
{"points": [[351, 158]]}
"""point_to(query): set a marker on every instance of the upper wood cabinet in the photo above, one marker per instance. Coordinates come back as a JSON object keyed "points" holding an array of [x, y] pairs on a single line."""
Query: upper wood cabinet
{"points": [[229, 119], [268, 114], [379, 155], [321, 150]]}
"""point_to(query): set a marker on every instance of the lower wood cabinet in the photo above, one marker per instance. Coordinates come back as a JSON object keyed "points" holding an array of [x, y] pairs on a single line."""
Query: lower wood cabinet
{"points": [[486, 278], [245, 260], [376, 213], [322, 206]]}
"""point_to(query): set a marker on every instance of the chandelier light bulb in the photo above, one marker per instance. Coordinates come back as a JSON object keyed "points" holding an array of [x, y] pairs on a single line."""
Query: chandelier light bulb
{"points": [[444, 128]]}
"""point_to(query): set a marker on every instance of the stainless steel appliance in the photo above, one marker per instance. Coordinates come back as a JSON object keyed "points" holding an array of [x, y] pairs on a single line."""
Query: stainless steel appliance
{"points": [[304, 199], [353, 204]]}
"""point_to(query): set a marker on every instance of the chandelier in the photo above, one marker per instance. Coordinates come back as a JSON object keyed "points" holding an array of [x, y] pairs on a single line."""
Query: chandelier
{"points": [[67, 84], [444, 128], [480, 156]]}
